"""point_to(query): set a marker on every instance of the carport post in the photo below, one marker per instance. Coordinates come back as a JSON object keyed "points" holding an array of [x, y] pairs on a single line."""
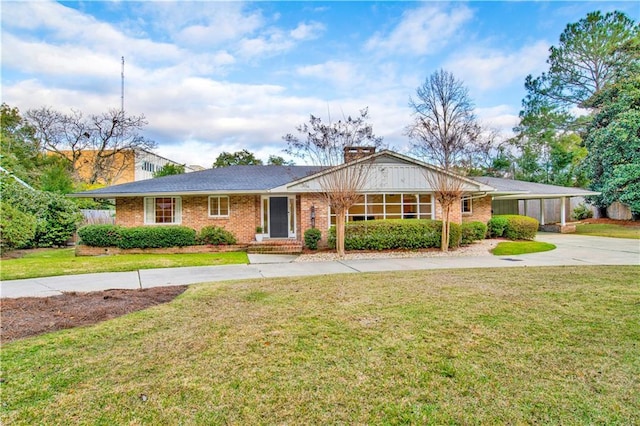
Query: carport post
{"points": [[563, 211], [541, 211]]}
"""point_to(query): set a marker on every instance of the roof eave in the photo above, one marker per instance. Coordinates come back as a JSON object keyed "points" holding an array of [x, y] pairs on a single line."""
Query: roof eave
{"points": [[166, 193]]}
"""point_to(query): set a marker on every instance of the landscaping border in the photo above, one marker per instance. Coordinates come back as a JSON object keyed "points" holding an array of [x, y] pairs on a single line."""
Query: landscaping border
{"points": [[83, 250]]}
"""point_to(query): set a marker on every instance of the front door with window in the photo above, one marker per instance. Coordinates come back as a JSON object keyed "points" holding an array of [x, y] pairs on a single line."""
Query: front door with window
{"points": [[279, 217]]}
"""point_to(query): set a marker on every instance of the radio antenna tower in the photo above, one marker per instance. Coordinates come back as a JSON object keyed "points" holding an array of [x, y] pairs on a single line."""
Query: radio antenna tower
{"points": [[122, 88]]}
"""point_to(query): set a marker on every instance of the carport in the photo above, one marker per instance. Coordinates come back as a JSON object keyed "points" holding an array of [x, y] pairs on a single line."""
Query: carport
{"points": [[509, 193]]}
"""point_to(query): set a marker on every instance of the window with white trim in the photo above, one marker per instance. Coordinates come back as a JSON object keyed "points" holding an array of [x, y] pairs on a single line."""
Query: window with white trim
{"points": [[389, 206], [467, 206], [219, 206], [162, 210]]}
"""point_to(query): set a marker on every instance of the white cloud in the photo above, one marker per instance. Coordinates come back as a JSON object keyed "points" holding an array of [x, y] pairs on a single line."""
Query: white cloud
{"points": [[339, 73], [309, 31], [500, 117], [421, 31], [489, 69]]}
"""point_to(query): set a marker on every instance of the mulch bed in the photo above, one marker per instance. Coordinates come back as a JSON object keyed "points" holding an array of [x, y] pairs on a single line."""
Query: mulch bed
{"points": [[30, 316]]}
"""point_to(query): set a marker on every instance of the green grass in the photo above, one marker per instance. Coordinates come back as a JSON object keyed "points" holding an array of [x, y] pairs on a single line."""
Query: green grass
{"points": [[507, 248], [64, 262], [508, 346], [608, 230]]}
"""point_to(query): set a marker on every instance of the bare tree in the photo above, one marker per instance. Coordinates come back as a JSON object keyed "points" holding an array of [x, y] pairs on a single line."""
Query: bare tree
{"points": [[445, 132], [444, 129], [101, 145], [448, 191], [324, 144]]}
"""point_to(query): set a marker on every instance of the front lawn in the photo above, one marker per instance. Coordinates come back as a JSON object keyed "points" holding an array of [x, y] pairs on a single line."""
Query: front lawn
{"points": [[508, 346], [608, 230], [64, 262], [507, 248]]}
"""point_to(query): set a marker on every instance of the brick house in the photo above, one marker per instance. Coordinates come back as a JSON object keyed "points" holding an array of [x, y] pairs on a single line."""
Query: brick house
{"points": [[287, 200]]}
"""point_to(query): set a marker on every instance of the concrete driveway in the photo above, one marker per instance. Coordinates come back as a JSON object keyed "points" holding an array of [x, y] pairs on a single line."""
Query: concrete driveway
{"points": [[571, 250]]}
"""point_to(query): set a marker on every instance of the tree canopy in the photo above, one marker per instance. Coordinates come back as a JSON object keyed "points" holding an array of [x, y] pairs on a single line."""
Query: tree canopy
{"points": [[590, 55], [169, 169], [613, 144], [238, 158]]}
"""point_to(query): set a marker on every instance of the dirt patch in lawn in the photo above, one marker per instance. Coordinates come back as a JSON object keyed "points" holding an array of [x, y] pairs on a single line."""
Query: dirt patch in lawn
{"points": [[30, 316]]}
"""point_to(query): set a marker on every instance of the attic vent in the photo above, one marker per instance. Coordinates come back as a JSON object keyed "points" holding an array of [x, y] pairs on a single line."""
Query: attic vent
{"points": [[356, 152]]}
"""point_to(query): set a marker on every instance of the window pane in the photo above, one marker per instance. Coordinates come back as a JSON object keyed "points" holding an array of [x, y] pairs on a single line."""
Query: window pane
{"points": [[213, 206], [410, 199], [375, 198], [393, 209], [164, 210], [224, 206], [265, 215], [394, 198], [149, 215]]}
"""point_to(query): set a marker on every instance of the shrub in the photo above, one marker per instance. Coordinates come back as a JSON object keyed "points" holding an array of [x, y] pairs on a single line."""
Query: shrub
{"points": [[157, 237], [582, 212], [137, 237], [513, 227], [60, 220], [311, 238], [395, 234], [100, 235], [16, 228], [496, 226], [56, 217], [216, 236], [472, 231]]}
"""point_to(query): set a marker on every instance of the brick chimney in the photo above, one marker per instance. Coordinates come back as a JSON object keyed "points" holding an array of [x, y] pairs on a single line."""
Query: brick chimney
{"points": [[352, 153]]}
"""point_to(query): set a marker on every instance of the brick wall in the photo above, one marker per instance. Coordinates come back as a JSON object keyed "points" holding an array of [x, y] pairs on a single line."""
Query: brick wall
{"points": [[480, 210], [244, 214], [322, 215]]}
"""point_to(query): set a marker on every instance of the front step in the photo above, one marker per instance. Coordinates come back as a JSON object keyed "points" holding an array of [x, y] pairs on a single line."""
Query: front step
{"points": [[275, 247]]}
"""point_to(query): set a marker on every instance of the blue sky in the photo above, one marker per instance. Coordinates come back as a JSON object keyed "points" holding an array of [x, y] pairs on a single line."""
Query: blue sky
{"points": [[224, 76]]}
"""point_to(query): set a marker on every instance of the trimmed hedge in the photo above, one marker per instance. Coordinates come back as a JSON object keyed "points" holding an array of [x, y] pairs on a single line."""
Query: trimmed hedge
{"points": [[513, 227], [137, 237], [395, 234], [216, 236], [473, 231], [100, 235], [311, 238]]}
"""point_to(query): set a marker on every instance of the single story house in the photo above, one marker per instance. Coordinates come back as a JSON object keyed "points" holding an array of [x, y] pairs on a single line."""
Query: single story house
{"points": [[287, 200]]}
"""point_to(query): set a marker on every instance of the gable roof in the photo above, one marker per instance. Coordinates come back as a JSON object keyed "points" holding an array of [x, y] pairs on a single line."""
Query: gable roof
{"points": [[232, 179], [261, 179]]}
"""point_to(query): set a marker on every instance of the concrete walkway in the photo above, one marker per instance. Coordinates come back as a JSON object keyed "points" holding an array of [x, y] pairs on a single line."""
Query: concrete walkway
{"points": [[571, 250]]}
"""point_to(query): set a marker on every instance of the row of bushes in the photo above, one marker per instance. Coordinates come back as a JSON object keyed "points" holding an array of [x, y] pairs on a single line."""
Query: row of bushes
{"points": [[416, 234], [395, 234], [152, 236]]}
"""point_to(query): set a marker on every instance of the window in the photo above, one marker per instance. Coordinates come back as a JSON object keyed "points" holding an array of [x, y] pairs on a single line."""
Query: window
{"points": [[148, 166], [467, 206], [389, 206], [219, 206], [162, 210]]}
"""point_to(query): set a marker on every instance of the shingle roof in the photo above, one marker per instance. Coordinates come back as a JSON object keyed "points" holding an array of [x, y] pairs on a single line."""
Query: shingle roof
{"points": [[521, 189], [231, 179]]}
